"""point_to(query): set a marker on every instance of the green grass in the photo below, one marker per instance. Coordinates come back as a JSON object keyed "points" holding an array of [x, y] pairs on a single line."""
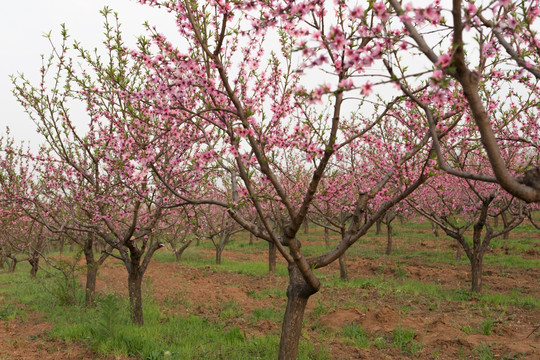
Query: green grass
{"points": [[108, 330], [403, 339], [267, 313], [400, 287], [356, 335]]}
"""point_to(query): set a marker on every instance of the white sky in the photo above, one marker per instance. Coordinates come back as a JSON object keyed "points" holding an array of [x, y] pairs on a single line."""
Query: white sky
{"points": [[22, 25]]}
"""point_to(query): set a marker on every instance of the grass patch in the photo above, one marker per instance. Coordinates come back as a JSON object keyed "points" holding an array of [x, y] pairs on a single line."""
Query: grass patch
{"points": [[267, 313], [355, 335], [107, 328], [403, 339]]}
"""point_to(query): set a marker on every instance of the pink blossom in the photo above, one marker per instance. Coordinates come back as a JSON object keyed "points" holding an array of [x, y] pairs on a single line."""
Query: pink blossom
{"points": [[444, 60], [367, 88]]}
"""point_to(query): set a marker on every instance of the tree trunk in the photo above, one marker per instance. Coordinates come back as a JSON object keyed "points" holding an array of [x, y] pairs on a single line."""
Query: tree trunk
{"points": [[271, 257], [388, 238], [179, 252], [34, 263], [435, 229], [250, 239], [378, 227], [298, 294], [476, 272], [327, 237], [135, 295], [459, 251], [2, 261], [12, 265], [496, 221], [219, 250], [343, 268], [505, 224], [91, 272], [306, 226]]}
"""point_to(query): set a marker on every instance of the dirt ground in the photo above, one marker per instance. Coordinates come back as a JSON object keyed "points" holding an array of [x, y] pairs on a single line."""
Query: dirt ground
{"points": [[445, 328]]}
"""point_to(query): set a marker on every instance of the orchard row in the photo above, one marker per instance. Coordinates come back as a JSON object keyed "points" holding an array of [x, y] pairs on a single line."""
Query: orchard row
{"points": [[269, 115]]}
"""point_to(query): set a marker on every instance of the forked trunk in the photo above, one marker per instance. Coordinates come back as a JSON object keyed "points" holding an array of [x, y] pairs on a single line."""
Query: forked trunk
{"points": [[271, 257], [298, 294], [343, 268], [135, 295], [179, 252], [389, 238]]}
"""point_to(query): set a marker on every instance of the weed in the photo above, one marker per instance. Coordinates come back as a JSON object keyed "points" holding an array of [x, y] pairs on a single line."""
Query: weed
{"points": [[231, 310], [380, 342], [484, 352], [356, 334], [487, 326], [267, 313], [403, 339]]}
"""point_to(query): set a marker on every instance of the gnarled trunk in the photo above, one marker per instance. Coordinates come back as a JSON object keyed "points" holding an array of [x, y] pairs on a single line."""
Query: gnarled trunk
{"points": [[298, 294]]}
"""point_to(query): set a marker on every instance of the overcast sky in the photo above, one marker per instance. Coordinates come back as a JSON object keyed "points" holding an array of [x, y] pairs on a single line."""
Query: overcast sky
{"points": [[22, 25]]}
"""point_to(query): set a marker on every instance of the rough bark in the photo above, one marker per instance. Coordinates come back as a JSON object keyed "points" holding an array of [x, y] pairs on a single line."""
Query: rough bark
{"points": [[343, 275], [476, 272], [389, 237], [272, 257], [378, 227], [459, 251], [306, 226], [135, 295], [327, 238], [505, 224], [298, 294]]}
